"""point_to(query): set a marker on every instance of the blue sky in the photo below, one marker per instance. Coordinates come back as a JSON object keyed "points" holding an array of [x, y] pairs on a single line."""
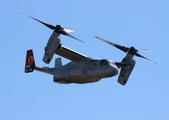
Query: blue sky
{"points": [[142, 23]]}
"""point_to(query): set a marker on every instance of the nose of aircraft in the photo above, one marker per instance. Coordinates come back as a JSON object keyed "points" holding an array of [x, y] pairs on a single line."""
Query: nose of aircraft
{"points": [[115, 70]]}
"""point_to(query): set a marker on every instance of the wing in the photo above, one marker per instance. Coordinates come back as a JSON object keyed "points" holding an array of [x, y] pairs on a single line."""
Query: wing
{"points": [[70, 54]]}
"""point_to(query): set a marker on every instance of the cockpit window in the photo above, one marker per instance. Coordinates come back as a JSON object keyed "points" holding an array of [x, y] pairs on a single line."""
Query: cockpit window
{"points": [[103, 62]]}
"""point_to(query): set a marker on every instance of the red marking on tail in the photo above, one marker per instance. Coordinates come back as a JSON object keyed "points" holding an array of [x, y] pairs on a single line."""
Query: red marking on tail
{"points": [[30, 63]]}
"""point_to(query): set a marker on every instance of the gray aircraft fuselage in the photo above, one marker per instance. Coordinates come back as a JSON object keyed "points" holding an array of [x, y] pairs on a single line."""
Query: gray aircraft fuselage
{"points": [[84, 71]]}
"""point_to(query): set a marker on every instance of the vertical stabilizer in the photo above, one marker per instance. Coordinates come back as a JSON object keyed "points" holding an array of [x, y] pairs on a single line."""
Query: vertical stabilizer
{"points": [[58, 63], [30, 63]]}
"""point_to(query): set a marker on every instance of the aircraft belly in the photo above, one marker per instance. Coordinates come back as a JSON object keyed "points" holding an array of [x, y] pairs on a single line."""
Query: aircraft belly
{"points": [[83, 79], [80, 79], [88, 77]]}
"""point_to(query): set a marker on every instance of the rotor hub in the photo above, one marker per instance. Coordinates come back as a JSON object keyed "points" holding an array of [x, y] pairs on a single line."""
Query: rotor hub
{"points": [[132, 51], [58, 28]]}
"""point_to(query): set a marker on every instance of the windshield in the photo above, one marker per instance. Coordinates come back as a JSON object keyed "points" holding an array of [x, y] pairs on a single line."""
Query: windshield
{"points": [[103, 62]]}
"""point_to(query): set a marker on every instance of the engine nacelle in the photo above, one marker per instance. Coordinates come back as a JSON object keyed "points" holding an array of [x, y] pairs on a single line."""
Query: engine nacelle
{"points": [[46, 58], [125, 72]]}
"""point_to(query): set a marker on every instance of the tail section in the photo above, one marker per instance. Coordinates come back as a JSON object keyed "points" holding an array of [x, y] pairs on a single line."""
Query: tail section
{"points": [[30, 63]]}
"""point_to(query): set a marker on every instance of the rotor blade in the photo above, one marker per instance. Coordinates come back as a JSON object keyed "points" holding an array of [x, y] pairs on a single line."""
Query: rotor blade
{"points": [[123, 48], [138, 55], [143, 50], [64, 31], [74, 37], [47, 25], [68, 30], [67, 34]]}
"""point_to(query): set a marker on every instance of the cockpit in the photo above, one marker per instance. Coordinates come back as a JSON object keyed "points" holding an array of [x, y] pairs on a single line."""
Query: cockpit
{"points": [[103, 62], [106, 62]]}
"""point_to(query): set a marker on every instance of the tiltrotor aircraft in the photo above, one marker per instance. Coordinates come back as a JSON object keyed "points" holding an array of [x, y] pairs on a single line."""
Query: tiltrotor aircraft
{"points": [[81, 69]]}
